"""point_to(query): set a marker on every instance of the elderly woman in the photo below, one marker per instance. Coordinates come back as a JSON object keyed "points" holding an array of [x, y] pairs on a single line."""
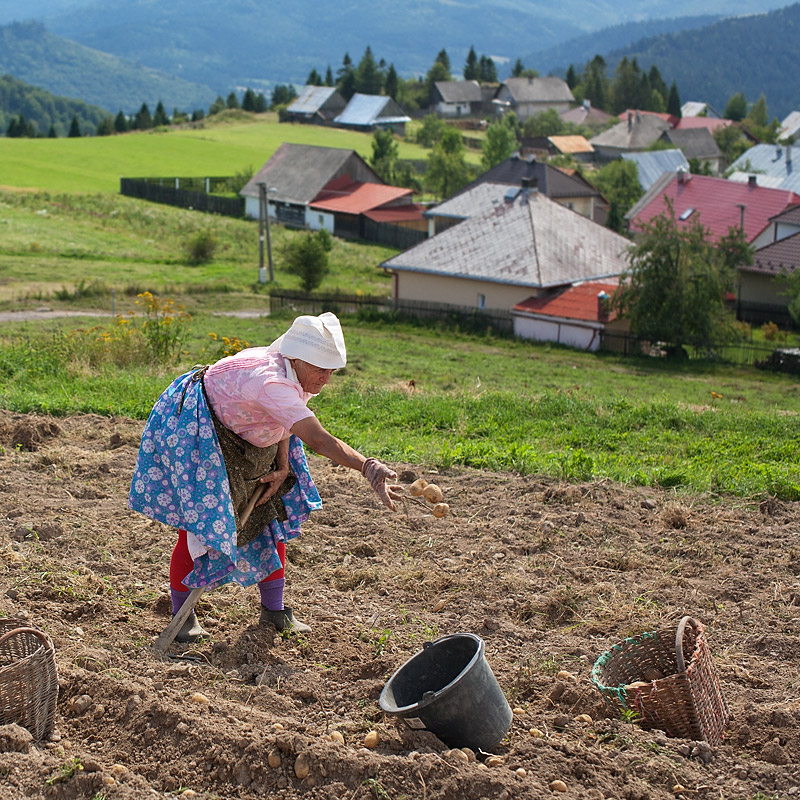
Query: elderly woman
{"points": [[222, 460]]}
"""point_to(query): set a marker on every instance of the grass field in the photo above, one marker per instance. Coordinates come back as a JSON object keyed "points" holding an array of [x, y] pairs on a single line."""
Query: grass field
{"points": [[95, 164]]}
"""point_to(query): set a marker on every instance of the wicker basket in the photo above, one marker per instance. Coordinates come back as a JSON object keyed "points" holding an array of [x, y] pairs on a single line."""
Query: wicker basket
{"points": [[675, 685], [28, 678]]}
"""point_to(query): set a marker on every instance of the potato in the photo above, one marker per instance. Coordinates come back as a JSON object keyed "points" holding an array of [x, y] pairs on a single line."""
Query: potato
{"points": [[558, 786], [418, 487], [432, 493], [372, 740], [441, 510]]}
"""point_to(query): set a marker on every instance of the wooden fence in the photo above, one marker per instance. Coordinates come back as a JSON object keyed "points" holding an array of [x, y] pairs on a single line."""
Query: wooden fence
{"points": [[169, 191]]}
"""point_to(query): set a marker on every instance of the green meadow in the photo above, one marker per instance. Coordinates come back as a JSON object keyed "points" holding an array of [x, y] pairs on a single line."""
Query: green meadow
{"points": [[220, 147], [429, 395]]}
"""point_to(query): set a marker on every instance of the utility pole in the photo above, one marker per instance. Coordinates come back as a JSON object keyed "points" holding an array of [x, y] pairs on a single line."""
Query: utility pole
{"points": [[264, 233]]}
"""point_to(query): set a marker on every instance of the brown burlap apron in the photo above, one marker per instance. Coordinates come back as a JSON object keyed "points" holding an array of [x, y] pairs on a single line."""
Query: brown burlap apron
{"points": [[245, 464]]}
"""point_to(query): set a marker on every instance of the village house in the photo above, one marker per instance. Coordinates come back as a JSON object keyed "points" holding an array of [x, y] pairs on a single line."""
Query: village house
{"points": [[635, 133], [586, 114], [456, 98], [527, 97], [694, 108], [773, 165], [316, 105], [790, 127], [697, 144], [519, 246], [580, 316], [760, 293], [652, 164], [327, 187], [566, 187], [368, 112]]}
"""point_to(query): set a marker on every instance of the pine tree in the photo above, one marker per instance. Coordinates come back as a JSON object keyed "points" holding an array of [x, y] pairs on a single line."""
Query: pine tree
{"points": [[674, 101], [313, 79], [391, 83], [74, 129], [571, 77], [160, 117], [471, 72], [329, 76], [142, 121], [105, 127], [51, 134], [232, 101], [368, 77], [517, 69], [12, 131], [261, 103], [249, 100], [444, 59], [487, 70], [120, 123]]}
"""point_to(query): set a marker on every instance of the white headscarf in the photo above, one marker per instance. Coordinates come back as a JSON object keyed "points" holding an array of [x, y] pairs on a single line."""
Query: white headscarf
{"points": [[316, 340]]}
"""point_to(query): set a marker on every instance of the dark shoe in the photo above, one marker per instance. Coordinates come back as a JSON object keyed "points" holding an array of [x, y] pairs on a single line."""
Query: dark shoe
{"points": [[283, 620], [190, 631]]}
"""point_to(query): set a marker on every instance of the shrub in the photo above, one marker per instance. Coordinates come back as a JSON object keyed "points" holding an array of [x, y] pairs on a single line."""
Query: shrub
{"points": [[200, 248], [306, 258]]}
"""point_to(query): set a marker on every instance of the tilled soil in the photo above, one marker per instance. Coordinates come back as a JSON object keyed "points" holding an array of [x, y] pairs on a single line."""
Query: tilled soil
{"points": [[548, 575]]}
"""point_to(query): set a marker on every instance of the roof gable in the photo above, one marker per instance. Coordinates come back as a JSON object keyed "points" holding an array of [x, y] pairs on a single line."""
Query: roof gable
{"points": [[459, 91], [531, 241], [313, 98], [779, 257], [299, 172], [636, 133], [652, 164], [694, 142], [371, 109], [538, 90]]}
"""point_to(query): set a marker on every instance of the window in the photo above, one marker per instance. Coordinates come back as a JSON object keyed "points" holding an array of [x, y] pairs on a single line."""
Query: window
{"points": [[481, 301], [686, 214]]}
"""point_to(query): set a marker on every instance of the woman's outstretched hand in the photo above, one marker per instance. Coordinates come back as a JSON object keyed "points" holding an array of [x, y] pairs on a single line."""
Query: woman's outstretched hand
{"points": [[377, 474]]}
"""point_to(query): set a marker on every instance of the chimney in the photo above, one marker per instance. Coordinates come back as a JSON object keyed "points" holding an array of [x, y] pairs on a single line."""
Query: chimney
{"points": [[788, 155], [752, 180], [602, 306], [587, 104], [684, 176], [630, 121]]}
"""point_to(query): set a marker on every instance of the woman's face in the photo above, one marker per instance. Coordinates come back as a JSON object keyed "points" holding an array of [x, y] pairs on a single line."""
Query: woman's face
{"points": [[311, 378]]}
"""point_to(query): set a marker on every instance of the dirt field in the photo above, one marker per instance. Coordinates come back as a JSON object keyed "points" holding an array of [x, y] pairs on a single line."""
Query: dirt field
{"points": [[548, 575]]}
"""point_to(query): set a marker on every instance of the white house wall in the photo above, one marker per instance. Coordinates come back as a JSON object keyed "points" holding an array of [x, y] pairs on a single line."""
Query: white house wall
{"points": [[416, 286], [755, 287], [566, 333], [317, 220]]}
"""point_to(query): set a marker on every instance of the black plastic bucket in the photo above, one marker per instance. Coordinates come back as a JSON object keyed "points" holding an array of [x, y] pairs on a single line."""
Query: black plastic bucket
{"points": [[449, 689]]}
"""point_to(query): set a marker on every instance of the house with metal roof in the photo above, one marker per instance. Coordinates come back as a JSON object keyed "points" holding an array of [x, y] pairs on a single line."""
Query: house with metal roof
{"points": [[652, 164], [774, 165], [578, 316], [371, 111], [296, 174], [456, 98], [530, 96], [694, 108], [519, 244], [316, 104], [566, 187], [790, 126], [718, 204]]}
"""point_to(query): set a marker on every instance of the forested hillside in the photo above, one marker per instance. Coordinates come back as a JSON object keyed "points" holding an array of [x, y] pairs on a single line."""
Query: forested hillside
{"points": [[752, 54], [33, 55], [43, 113]]}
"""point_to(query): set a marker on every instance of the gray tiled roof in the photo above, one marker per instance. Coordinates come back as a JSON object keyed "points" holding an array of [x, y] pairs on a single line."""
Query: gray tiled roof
{"points": [[653, 164], [371, 109], [299, 171], [459, 91], [694, 142], [539, 90], [778, 257], [532, 241], [639, 134]]}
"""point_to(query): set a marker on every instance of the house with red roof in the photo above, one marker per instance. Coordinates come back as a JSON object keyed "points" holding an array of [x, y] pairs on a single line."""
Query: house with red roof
{"points": [[328, 187], [717, 203], [578, 316]]}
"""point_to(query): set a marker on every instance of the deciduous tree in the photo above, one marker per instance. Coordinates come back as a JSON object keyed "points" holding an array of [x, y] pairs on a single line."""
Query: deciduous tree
{"points": [[384, 154], [447, 167]]}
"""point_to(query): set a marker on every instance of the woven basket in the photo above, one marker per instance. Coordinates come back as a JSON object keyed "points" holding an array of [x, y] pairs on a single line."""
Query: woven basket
{"points": [[28, 678], [675, 685]]}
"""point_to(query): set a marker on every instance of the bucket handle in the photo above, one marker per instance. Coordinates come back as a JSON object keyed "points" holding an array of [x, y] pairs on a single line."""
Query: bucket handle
{"points": [[41, 636], [681, 662]]}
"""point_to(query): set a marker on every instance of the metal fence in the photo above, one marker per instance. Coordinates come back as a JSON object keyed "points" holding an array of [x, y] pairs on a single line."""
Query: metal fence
{"points": [[167, 191], [743, 353]]}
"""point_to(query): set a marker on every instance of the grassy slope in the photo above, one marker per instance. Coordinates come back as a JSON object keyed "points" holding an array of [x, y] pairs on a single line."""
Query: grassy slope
{"points": [[95, 164]]}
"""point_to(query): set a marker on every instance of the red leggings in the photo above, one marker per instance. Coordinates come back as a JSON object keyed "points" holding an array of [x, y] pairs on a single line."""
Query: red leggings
{"points": [[181, 563]]}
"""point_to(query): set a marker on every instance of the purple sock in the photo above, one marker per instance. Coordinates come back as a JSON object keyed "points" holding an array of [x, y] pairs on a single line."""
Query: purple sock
{"points": [[272, 594], [178, 599]]}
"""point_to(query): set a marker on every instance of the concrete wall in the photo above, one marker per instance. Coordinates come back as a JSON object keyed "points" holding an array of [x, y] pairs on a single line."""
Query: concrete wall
{"points": [[583, 336]]}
